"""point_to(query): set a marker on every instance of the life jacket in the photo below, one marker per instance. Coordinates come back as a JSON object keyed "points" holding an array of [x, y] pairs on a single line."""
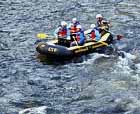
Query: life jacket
{"points": [[62, 32], [92, 35], [73, 29]]}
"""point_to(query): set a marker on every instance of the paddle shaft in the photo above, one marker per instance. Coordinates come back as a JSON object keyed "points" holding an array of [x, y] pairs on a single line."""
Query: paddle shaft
{"points": [[75, 40]]}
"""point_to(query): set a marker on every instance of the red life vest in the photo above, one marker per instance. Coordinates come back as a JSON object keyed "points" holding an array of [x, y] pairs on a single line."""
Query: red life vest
{"points": [[62, 32], [92, 35]]}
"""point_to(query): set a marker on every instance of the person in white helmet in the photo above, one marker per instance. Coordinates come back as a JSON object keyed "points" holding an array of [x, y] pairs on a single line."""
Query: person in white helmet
{"points": [[73, 27], [102, 23], [99, 19], [62, 33], [79, 39], [93, 33]]}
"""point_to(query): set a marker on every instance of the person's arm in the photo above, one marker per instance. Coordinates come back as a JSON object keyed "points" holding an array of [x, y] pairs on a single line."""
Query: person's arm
{"points": [[68, 34], [82, 38], [69, 26], [87, 31], [106, 22], [56, 32]]}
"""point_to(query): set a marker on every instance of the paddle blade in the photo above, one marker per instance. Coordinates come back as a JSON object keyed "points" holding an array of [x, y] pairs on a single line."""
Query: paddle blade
{"points": [[42, 35], [119, 37]]}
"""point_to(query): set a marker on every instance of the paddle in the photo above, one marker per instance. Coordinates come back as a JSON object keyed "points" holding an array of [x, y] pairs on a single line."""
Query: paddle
{"points": [[106, 44], [44, 36], [75, 40]]}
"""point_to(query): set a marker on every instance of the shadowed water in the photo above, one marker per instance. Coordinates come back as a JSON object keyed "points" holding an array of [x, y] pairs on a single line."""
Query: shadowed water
{"points": [[99, 84]]}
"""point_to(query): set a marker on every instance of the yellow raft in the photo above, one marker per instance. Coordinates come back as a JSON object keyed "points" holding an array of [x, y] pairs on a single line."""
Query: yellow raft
{"points": [[53, 48]]}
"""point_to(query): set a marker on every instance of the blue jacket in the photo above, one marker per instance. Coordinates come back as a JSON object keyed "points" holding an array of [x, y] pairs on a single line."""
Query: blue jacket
{"points": [[97, 35], [82, 37]]}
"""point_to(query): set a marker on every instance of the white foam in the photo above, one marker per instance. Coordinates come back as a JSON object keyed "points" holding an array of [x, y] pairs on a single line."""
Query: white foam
{"points": [[138, 67], [123, 64], [34, 110], [136, 78], [132, 102], [95, 56], [121, 46], [130, 56]]}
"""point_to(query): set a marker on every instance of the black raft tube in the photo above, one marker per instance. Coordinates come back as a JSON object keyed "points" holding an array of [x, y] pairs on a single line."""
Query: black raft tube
{"points": [[53, 50]]}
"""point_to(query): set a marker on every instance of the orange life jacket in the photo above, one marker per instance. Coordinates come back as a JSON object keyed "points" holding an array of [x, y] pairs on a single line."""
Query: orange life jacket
{"points": [[73, 29]]}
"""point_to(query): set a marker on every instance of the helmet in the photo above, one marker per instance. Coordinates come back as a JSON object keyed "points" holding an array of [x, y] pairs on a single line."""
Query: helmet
{"points": [[92, 26], [63, 23], [79, 26], [99, 16], [74, 20]]}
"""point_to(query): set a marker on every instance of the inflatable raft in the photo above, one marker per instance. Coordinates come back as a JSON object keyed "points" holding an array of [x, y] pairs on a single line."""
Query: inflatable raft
{"points": [[61, 47]]}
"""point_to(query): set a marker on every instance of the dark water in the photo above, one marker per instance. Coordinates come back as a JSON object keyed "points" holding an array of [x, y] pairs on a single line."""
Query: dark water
{"points": [[100, 84]]}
